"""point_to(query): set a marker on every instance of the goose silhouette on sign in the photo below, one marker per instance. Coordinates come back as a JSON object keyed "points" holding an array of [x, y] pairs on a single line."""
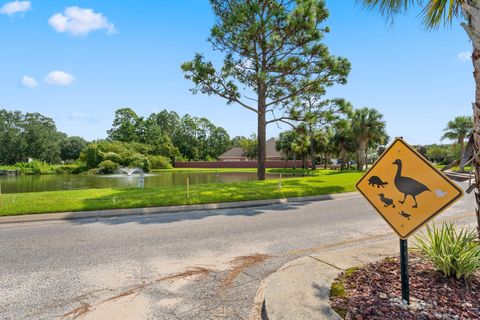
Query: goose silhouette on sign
{"points": [[408, 186]]}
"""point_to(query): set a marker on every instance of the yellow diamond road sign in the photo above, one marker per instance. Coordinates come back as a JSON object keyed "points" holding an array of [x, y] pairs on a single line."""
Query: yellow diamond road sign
{"points": [[406, 189]]}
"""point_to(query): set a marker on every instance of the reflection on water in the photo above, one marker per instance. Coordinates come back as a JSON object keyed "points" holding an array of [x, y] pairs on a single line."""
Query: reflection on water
{"points": [[14, 184]]}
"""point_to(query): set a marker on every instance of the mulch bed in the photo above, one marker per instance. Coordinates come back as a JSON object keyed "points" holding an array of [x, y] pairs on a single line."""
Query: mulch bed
{"points": [[374, 292]]}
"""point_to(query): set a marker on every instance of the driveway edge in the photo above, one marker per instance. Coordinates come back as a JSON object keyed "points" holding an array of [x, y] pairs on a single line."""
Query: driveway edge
{"points": [[169, 209]]}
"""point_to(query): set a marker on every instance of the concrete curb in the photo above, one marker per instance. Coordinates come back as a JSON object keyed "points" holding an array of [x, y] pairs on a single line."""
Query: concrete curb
{"points": [[300, 290], [169, 209]]}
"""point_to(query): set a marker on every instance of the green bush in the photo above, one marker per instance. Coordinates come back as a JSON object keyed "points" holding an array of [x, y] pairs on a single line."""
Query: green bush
{"points": [[141, 163], [65, 169], [112, 156], [108, 167], [455, 253], [91, 155], [34, 167], [159, 162]]}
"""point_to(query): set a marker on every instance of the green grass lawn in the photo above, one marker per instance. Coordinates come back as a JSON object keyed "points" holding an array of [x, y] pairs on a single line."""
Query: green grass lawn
{"points": [[318, 183]]}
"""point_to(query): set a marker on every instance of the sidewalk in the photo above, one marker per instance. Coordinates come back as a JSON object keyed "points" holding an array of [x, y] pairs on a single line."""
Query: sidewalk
{"points": [[300, 290]]}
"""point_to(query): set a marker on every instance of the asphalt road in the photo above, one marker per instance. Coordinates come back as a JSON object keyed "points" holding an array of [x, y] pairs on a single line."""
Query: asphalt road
{"points": [[192, 265]]}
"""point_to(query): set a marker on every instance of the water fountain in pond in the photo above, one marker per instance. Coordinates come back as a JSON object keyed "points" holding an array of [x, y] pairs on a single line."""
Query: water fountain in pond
{"points": [[131, 171]]}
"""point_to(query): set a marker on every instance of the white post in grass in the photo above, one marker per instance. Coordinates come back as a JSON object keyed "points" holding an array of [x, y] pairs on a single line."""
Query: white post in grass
{"points": [[280, 182], [188, 188]]}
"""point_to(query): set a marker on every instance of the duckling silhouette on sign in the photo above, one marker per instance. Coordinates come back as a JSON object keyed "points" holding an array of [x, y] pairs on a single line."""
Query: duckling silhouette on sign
{"points": [[375, 181], [408, 186], [405, 214], [386, 201]]}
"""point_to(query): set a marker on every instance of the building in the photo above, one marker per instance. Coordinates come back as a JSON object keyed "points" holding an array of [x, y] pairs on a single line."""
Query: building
{"points": [[236, 154]]}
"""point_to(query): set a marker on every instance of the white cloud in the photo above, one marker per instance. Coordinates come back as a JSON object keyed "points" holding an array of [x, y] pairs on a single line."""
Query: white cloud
{"points": [[82, 117], [28, 82], [59, 78], [13, 7], [80, 22], [465, 56]]}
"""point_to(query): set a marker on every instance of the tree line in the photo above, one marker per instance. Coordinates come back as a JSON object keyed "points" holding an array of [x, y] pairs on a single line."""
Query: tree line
{"points": [[155, 141], [33, 135], [345, 134]]}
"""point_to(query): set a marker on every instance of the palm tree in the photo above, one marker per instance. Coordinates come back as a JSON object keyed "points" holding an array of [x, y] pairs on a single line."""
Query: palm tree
{"points": [[436, 13], [343, 141], [368, 128], [458, 130]]}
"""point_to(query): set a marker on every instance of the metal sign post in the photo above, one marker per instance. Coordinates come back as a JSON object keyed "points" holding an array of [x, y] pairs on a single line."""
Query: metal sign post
{"points": [[404, 270]]}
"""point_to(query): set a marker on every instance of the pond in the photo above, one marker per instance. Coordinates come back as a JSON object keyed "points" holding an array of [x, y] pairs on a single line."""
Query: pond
{"points": [[38, 183]]}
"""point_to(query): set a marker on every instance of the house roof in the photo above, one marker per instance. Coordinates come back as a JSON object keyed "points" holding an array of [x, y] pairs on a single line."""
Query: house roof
{"points": [[271, 150], [237, 152]]}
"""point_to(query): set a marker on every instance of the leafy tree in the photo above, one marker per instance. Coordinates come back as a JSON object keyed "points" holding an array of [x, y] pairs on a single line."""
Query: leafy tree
{"points": [[458, 130], [285, 144], [126, 127], [10, 136], [343, 141], [169, 122], [316, 113], [71, 147], [273, 49], [435, 13], [368, 128], [302, 142], [91, 156], [107, 167], [250, 146], [40, 138]]}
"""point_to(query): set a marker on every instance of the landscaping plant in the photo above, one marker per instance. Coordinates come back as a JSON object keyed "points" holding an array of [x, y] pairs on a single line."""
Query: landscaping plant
{"points": [[453, 252]]}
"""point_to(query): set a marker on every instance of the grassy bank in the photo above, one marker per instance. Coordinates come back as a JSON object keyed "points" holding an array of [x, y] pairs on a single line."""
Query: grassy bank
{"points": [[318, 183]]}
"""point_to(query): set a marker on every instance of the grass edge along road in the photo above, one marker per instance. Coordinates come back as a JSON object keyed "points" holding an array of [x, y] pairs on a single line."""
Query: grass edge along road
{"points": [[320, 182]]}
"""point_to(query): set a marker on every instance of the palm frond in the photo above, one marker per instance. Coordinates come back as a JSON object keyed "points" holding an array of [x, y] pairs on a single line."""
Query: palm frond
{"points": [[438, 12], [390, 8], [434, 12]]}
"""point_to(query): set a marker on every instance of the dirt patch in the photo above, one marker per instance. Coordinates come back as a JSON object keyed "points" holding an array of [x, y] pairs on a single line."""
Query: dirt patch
{"points": [[192, 272], [86, 308], [241, 264], [374, 292], [82, 310]]}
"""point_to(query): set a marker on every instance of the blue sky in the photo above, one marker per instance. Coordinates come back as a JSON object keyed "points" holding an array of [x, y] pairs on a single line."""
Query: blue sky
{"points": [[132, 57]]}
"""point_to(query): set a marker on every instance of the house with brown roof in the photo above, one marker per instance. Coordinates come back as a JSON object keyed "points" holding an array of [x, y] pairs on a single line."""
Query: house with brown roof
{"points": [[236, 154]]}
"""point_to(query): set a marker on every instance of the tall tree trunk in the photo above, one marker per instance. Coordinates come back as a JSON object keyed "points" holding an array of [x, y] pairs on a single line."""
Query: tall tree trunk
{"points": [[312, 156], [366, 159], [325, 164], [262, 145], [476, 132], [471, 10]]}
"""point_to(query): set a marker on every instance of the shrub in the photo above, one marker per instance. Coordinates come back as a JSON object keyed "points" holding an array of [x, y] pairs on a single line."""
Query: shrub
{"points": [[91, 156], [108, 167], [34, 167], [141, 163], [112, 156], [159, 162], [455, 253]]}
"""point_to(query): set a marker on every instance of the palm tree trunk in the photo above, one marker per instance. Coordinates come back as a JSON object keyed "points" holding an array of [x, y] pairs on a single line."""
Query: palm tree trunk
{"points": [[471, 11], [313, 155]]}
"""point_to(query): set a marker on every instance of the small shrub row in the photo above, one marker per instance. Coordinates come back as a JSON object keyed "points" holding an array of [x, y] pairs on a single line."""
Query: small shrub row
{"points": [[455, 253]]}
